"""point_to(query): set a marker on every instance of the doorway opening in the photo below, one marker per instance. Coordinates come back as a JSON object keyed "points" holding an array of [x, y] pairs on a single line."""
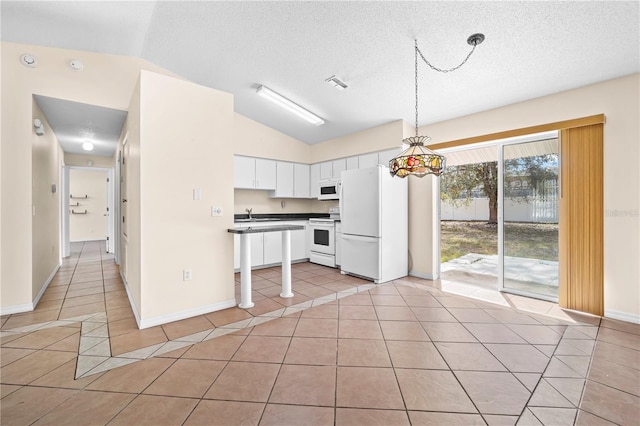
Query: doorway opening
{"points": [[499, 215], [88, 194]]}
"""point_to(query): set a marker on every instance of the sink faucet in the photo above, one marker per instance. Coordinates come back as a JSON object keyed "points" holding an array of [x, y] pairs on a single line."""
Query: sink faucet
{"points": [[249, 211]]}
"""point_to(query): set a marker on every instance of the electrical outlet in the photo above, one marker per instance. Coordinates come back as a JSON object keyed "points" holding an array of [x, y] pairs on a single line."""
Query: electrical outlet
{"points": [[216, 211], [186, 275]]}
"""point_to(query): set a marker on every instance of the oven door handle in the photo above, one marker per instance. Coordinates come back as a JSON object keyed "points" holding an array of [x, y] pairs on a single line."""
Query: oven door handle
{"points": [[324, 227], [321, 225]]}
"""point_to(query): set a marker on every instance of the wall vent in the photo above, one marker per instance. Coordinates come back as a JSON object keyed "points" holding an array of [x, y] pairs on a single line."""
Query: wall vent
{"points": [[336, 82]]}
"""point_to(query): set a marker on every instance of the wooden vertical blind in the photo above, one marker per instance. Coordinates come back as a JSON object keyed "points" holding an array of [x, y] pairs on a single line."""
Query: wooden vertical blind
{"points": [[581, 230]]}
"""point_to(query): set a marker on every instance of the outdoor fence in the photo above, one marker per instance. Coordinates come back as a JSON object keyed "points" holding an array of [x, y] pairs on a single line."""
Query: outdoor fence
{"points": [[515, 210]]}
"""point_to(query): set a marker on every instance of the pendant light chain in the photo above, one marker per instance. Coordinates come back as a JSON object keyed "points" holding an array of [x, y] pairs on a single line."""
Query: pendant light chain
{"points": [[416, 57], [473, 40], [418, 160], [440, 69]]}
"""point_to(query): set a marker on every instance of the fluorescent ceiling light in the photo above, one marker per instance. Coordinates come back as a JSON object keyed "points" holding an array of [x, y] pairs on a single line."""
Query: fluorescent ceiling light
{"points": [[87, 146], [285, 103]]}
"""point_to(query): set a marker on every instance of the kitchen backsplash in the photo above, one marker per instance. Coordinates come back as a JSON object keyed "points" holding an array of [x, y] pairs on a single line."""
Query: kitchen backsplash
{"points": [[260, 202]]}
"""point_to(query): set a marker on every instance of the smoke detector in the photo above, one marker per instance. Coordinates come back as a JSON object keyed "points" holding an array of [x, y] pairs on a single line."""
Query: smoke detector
{"points": [[337, 83], [29, 60], [76, 65]]}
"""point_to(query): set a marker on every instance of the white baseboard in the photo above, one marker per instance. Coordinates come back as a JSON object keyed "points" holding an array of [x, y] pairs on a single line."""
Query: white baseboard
{"points": [[28, 307], [622, 316], [16, 309], [46, 285], [422, 275], [134, 308], [177, 316]]}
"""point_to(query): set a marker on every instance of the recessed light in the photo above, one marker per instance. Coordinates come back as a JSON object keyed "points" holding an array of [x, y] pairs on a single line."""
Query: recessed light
{"points": [[87, 146], [29, 60], [76, 65]]}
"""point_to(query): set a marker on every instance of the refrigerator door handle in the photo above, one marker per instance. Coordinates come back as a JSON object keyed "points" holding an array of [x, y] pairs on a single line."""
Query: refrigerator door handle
{"points": [[340, 198], [371, 240]]}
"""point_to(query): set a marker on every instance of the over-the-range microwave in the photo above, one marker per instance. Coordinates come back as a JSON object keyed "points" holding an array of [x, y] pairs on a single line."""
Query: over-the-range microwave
{"points": [[329, 189]]}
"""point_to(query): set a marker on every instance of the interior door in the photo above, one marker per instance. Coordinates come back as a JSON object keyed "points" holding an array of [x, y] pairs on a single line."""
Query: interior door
{"points": [[123, 208]]}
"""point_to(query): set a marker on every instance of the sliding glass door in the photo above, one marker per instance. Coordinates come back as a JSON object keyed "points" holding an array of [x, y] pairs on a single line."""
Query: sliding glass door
{"points": [[528, 218]]}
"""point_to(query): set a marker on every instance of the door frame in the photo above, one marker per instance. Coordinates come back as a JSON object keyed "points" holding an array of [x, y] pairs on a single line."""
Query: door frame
{"points": [[499, 145], [515, 141], [66, 243]]}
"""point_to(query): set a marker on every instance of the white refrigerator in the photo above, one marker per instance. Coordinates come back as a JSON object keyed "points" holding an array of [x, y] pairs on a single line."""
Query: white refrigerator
{"points": [[374, 216]]}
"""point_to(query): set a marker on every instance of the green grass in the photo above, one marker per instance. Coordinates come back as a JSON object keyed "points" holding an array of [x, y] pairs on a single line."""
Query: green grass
{"points": [[530, 240]]}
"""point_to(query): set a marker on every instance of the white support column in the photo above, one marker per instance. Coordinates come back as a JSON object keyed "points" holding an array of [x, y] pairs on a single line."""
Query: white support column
{"points": [[286, 265], [245, 272]]}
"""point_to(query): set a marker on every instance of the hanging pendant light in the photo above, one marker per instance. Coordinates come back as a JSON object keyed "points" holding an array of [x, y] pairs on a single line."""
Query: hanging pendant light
{"points": [[418, 160]]}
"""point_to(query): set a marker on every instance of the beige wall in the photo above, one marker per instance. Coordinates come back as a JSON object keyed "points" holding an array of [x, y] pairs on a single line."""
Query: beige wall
{"points": [[185, 131], [45, 219], [107, 80], [371, 140], [257, 140], [92, 225]]}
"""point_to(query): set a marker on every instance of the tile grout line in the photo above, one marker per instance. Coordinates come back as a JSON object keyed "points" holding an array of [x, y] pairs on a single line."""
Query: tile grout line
{"points": [[302, 306]]}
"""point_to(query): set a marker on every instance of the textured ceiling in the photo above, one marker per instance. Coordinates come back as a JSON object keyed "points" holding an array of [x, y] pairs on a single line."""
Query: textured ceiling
{"points": [[532, 49], [75, 123]]}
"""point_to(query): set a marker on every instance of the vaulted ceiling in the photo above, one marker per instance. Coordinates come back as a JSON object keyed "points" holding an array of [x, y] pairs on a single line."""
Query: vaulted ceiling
{"points": [[532, 49]]}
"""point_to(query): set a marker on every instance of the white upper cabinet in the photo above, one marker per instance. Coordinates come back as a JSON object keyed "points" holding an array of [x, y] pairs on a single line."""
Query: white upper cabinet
{"points": [[254, 173], [352, 163], [292, 180], [265, 174], [332, 169], [326, 170], [244, 172], [284, 180], [301, 179], [338, 166], [314, 178], [385, 156], [367, 160]]}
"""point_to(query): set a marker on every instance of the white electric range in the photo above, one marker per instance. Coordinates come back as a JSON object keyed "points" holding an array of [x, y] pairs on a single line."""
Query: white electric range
{"points": [[323, 238]]}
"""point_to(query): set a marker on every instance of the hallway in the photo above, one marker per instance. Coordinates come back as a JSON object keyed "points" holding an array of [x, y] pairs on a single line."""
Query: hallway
{"points": [[343, 351]]}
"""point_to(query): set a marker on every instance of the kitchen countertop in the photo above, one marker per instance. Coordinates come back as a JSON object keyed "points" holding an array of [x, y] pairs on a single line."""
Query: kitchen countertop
{"points": [[241, 218], [267, 228]]}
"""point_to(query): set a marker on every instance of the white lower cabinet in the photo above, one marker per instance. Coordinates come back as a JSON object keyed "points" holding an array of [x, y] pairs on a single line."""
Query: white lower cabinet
{"points": [[266, 248], [272, 248]]}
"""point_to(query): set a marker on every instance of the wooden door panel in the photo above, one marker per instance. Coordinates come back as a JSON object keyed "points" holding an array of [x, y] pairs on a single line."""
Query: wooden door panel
{"points": [[581, 230]]}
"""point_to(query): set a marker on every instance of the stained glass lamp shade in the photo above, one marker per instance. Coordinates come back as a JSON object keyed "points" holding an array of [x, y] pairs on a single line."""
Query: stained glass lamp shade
{"points": [[417, 160]]}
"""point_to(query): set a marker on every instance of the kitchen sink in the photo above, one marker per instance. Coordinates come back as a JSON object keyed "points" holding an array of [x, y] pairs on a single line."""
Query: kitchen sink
{"points": [[260, 219]]}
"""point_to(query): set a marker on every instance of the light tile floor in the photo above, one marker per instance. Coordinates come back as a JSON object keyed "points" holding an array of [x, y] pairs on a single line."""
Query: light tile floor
{"points": [[342, 351]]}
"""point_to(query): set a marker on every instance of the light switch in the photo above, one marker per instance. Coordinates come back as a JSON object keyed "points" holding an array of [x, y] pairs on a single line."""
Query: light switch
{"points": [[197, 194]]}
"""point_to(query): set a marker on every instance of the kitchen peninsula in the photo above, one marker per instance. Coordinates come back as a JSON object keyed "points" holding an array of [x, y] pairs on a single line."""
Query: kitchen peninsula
{"points": [[245, 259]]}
